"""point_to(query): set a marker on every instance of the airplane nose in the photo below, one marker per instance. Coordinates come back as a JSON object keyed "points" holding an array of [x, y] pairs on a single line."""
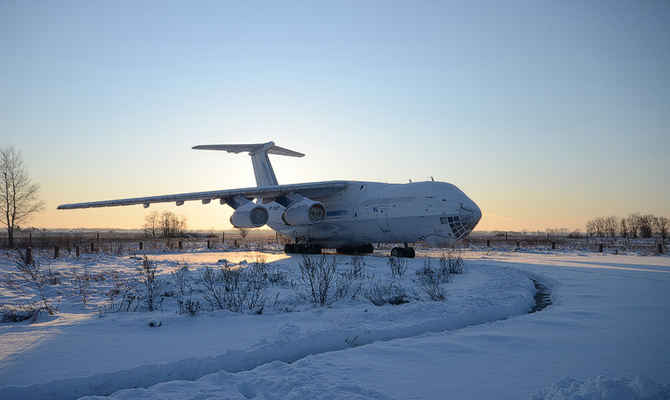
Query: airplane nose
{"points": [[470, 214]]}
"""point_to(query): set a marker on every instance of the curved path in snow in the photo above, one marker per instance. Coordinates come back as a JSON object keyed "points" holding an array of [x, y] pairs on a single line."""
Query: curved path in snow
{"points": [[496, 294]]}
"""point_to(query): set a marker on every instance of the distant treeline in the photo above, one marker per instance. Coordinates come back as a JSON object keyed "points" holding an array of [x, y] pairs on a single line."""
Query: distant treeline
{"points": [[632, 226]]}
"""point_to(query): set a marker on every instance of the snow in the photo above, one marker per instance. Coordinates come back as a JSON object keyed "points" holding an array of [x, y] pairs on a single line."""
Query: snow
{"points": [[605, 336]]}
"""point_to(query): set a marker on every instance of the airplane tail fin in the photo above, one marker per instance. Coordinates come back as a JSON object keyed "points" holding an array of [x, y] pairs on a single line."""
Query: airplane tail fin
{"points": [[265, 175]]}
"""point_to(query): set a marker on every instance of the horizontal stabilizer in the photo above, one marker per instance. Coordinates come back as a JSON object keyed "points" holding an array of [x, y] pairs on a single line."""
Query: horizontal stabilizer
{"points": [[265, 175], [251, 148]]}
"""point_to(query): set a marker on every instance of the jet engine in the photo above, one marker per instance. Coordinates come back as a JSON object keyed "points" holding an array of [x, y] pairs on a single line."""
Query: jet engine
{"points": [[304, 212], [250, 215]]}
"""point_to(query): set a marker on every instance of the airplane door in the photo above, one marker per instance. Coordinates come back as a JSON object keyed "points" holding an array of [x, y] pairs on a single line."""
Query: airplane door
{"points": [[382, 219]]}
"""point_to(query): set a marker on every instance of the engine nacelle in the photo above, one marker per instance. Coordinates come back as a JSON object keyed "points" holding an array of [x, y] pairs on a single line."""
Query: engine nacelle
{"points": [[304, 212], [250, 215]]}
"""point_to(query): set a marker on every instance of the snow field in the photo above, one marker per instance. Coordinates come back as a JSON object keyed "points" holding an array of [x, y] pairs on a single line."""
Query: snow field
{"points": [[610, 317]]}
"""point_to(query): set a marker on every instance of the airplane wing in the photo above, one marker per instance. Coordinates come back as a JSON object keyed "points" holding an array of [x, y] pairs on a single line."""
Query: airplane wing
{"points": [[311, 190]]}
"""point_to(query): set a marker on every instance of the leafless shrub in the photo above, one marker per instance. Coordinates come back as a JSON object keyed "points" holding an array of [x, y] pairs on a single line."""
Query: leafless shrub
{"points": [[189, 307], [452, 262], [322, 284], [81, 282], [28, 282], [398, 266], [123, 297], [149, 281], [317, 277], [185, 302], [214, 289], [431, 280], [348, 284], [358, 266], [181, 277], [235, 289], [380, 293]]}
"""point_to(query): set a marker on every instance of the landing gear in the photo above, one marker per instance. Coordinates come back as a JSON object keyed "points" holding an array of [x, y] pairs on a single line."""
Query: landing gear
{"points": [[302, 248], [403, 252], [365, 248]]}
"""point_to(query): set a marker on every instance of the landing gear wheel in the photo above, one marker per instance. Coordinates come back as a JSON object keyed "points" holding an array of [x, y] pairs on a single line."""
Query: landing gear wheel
{"points": [[349, 251], [403, 252], [308, 248], [365, 248]]}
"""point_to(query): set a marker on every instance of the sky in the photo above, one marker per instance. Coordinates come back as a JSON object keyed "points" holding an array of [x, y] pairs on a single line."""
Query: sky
{"points": [[546, 114]]}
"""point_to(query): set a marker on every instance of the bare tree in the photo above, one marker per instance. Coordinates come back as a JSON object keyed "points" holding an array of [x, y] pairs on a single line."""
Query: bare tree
{"points": [[151, 223], [647, 225], [171, 224], [18, 195], [634, 224], [610, 225], [662, 225], [623, 227]]}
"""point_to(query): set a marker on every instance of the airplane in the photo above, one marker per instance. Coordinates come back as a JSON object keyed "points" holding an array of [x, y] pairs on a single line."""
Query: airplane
{"points": [[349, 216]]}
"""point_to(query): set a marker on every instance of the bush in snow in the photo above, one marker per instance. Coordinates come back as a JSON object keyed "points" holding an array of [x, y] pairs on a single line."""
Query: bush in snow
{"points": [[452, 262], [150, 283], [236, 289], [189, 307], [81, 283], [29, 283], [181, 278], [317, 277], [358, 266], [398, 266], [185, 302], [431, 280], [322, 284], [380, 293]]}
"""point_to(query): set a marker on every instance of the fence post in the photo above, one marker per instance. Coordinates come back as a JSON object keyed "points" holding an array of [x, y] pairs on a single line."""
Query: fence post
{"points": [[518, 244], [29, 255], [76, 250], [600, 247], [553, 245], [660, 248], [56, 251], [209, 245], [223, 237], [488, 242], [92, 247], [180, 245], [141, 246]]}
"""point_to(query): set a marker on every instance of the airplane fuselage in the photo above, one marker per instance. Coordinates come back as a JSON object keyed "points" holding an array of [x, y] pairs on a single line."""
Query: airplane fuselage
{"points": [[370, 212]]}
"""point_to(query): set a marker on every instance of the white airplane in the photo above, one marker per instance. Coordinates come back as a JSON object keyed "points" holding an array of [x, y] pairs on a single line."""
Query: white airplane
{"points": [[345, 215]]}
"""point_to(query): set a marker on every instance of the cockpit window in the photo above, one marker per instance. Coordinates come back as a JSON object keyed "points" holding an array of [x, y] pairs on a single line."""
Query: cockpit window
{"points": [[459, 226]]}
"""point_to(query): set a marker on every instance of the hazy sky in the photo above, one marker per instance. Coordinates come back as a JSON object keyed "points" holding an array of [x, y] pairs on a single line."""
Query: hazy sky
{"points": [[546, 113]]}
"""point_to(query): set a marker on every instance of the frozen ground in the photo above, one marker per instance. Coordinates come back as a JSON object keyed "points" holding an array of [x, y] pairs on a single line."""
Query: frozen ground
{"points": [[606, 336]]}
